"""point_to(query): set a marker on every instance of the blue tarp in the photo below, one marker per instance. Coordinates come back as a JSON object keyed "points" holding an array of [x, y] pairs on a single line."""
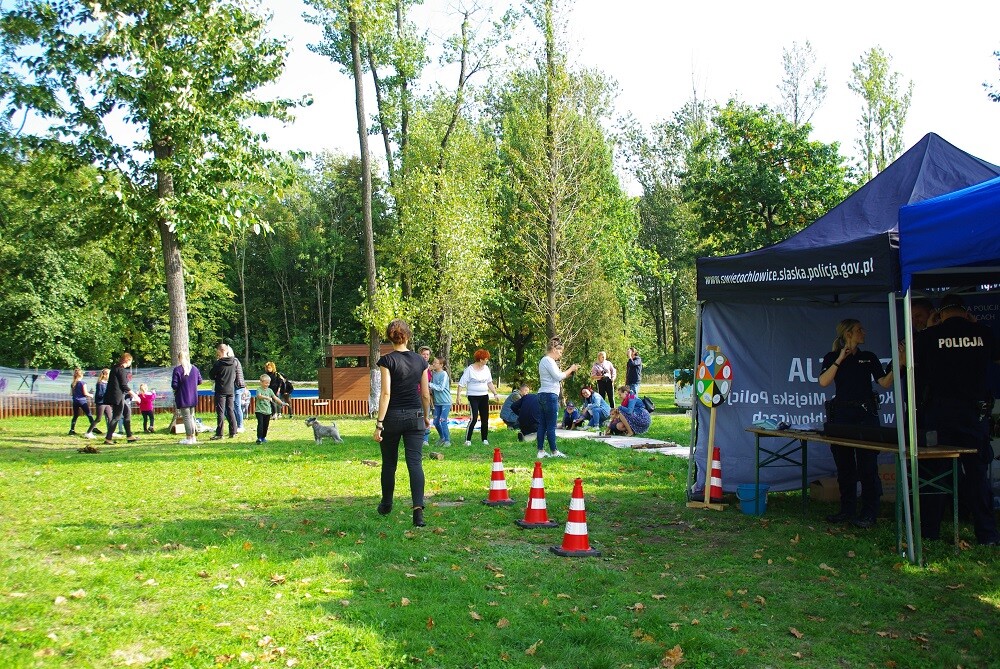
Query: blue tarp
{"points": [[957, 231], [854, 247]]}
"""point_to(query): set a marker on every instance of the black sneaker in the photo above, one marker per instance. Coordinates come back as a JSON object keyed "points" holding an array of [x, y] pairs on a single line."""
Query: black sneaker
{"points": [[97, 430], [215, 437], [520, 436], [864, 522], [384, 509], [72, 433], [418, 517]]}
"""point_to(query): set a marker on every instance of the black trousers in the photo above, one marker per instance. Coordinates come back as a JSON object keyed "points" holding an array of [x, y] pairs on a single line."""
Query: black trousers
{"points": [[963, 429], [121, 411], [82, 410], [857, 464], [479, 405], [224, 408], [605, 388], [406, 425], [263, 422]]}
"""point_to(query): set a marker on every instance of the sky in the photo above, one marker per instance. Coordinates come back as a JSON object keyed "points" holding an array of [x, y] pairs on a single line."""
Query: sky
{"points": [[658, 51]]}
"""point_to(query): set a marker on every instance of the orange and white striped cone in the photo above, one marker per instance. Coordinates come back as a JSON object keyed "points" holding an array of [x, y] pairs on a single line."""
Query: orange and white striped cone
{"points": [[498, 484], [715, 491], [575, 542], [536, 515]]}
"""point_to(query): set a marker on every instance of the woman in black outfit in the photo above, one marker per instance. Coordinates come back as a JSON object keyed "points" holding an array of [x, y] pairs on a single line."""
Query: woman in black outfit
{"points": [[403, 413], [852, 371], [119, 397]]}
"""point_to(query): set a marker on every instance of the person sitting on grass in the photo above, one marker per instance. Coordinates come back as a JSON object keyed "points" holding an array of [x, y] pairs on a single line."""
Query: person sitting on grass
{"points": [[507, 414], [629, 418]]}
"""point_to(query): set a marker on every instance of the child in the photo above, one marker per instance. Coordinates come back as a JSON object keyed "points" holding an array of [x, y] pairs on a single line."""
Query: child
{"points": [[146, 399], [265, 398], [100, 408], [81, 404], [441, 388], [570, 416]]}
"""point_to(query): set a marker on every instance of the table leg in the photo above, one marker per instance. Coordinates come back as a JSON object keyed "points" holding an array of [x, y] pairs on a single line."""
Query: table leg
{"points": [[954, 498], [805, 477], [756, 470], [899, 505]]}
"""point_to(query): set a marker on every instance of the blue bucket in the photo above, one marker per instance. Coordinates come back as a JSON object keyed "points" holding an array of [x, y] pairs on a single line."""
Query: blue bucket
{"points": [[753, 498]]}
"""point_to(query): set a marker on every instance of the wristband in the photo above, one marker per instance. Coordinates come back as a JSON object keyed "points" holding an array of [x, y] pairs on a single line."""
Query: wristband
{"points": [[836, 364]]}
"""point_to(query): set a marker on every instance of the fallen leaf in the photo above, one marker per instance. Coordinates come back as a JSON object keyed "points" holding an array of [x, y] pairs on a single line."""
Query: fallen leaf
{"points": [[674, 657], [563, 596], [795, 539], [533, 648], [430, 623], [911, 607], [277, 579], [850, 554], [151, 581], [659, 597], [475, 616], [742, 651], [978, 633], [248, 545], [797, 656], [264, 641], [695, 622], [202, 574], [502, 623], [638, 606], [78, 594], [760, 600], [404, 601], [795, 633], [958, 586], [827, 567], [221, 586]]}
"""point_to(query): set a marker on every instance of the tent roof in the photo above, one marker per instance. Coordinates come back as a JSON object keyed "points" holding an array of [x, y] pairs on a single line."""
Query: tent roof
{"points": [[853, 247], [956, 235]]}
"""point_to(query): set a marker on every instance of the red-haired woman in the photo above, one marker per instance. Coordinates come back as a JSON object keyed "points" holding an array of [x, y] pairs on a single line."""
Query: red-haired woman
{"points": [[118, 396], [403, 413], [478, 383]]}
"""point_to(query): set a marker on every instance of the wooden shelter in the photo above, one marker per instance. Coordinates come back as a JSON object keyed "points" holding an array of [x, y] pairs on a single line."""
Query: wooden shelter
{"points": [[345, 374]]}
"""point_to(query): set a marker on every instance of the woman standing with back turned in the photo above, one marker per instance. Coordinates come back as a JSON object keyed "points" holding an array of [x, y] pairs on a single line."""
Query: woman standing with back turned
{"points": [[852, 371], [403, 413]]}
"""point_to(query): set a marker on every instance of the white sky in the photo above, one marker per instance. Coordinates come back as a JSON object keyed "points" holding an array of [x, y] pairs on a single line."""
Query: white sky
{"points": [[655, 49]]}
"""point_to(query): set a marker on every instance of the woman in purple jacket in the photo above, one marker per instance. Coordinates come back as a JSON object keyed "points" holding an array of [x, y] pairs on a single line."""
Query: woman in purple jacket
{"points": [[185, 384]]}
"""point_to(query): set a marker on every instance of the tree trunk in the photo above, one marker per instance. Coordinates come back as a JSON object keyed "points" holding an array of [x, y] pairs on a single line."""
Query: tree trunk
{"points": [[404, 97], [675, 321], [550, 155], [173, 265], [366, 179], [241, 262]]}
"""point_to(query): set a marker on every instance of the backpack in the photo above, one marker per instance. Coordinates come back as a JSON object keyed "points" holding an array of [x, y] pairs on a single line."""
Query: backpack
{"points": [[289, 387], [648, 403]]}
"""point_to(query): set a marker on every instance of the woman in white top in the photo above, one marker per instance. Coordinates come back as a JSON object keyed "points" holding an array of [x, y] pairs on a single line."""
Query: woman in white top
{"points": [[550, 377], [478, 384]]}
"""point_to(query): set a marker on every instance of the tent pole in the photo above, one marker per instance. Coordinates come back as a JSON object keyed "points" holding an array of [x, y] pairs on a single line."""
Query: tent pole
{"points": [[694, 403], [911, 417], [897, 385]]}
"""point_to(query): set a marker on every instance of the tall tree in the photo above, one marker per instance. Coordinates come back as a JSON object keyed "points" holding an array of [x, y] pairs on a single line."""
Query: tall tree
{"points": [[347, 25], [884, 106], [803, 88], [754, 179], [160, 92]]}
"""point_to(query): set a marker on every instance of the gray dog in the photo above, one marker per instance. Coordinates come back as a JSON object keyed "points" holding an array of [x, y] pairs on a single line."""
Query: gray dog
{"points": [[320, 431]]}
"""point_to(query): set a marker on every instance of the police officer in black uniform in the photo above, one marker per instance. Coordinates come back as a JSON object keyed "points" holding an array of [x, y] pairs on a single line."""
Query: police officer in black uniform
{"points": [[852, 371], [952, 359]]}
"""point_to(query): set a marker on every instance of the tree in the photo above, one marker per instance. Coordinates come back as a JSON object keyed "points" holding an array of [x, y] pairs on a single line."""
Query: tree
{"points": [[351, 23], [883, 110], [160, 93], [559, 190], [802, 88], [755, 179]]}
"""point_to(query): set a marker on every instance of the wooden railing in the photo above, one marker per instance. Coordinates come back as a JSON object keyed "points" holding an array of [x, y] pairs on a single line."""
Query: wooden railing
{"points": [[12, 406]]}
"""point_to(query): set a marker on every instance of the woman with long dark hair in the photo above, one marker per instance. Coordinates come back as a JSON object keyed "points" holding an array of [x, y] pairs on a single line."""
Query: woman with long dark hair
{"points": [[403, 413]]}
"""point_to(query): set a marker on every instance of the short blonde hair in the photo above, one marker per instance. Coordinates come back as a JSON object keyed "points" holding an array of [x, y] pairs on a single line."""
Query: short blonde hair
{"points": [[265, 379]]}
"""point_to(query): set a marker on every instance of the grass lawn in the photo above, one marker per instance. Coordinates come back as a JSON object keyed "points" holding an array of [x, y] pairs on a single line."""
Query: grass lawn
{"points": [[231, 554]]}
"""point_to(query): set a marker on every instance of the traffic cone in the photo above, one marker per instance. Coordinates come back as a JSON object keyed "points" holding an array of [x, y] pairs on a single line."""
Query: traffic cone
{"points": [[575, 542], [715, 491], [498, 484], [536, 515]]}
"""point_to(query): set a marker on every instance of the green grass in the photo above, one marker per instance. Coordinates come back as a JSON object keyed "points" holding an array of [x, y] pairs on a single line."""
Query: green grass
{"points": [[230, 554]]}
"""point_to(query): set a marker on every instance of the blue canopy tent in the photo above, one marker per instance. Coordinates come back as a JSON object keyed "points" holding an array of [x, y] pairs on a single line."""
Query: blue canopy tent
{"points": [[773, 311]]}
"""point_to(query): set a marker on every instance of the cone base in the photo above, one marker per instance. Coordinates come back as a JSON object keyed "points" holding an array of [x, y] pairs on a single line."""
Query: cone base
{"points": [[498, 502], [558, 550], [526, 525]]}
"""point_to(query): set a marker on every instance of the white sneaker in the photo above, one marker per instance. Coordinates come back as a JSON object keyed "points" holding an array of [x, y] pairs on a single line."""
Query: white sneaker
{"points": [[184, 442], [468, 443], [239, 430], [427, 444], [485, 443], [542, 454], [89, 435], [558, 454]]}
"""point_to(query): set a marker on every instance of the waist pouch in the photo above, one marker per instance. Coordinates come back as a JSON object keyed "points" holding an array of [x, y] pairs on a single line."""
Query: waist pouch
{"points": [[403, 420]]}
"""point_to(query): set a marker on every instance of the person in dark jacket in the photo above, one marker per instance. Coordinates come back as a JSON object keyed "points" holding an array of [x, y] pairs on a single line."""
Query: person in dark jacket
{"points": [[528, 411], [185, 382], [118, 396], [223, 372], [272, 371]]}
